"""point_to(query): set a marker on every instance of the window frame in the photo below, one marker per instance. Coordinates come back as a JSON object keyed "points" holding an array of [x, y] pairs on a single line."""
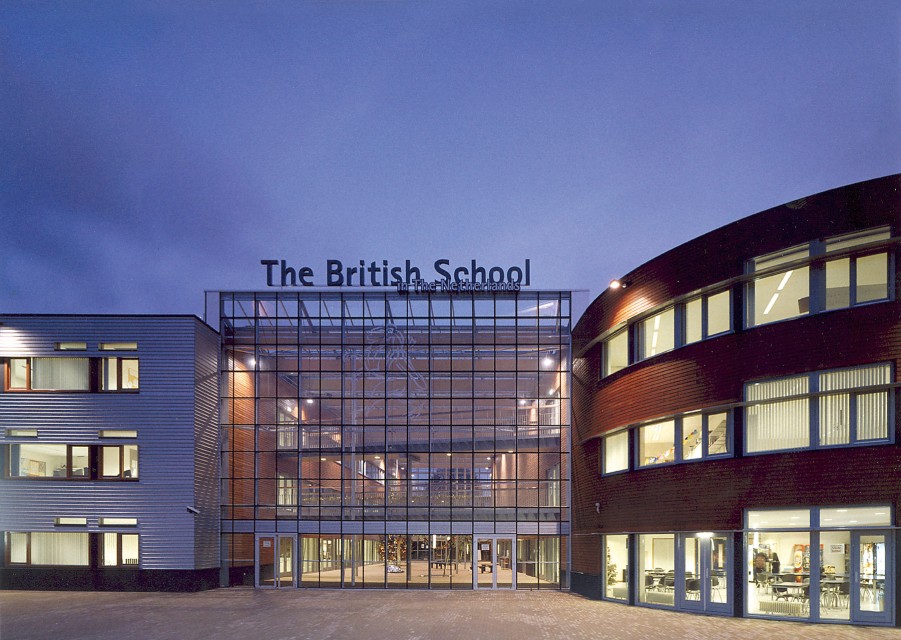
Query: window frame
{"points": [[119, 564], [119, 360], [122, 469], [634, 453], [95, 462], [818, 256], [813, 396], [605, 352], [603, 452], [28, 549]]}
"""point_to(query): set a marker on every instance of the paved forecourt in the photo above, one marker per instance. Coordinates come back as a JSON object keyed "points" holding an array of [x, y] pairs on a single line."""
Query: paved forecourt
{"points": [[247, 614]]}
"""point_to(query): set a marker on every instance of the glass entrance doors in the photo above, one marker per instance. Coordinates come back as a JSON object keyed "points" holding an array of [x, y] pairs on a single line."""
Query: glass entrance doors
{"points": [[707, 562], [274, 561], [871, 557], [494, 563]]}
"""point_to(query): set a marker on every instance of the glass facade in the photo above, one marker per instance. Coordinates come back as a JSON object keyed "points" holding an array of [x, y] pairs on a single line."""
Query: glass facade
{"points": [[821, 564], [407, 440]]}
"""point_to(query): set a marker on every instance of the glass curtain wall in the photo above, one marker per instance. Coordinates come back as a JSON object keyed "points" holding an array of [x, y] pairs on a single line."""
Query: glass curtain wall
{"points": [[388, 430]]}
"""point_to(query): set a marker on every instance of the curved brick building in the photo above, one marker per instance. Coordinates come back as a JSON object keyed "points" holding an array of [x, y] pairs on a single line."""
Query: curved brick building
{"points": [[735, 419]]}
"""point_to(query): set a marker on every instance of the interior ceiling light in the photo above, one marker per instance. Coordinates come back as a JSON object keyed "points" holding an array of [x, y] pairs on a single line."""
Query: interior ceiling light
{"points": [[769, 306]]}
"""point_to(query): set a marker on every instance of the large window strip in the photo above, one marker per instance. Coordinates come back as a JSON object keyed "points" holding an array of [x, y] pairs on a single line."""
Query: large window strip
{"points": [[846, 280], [814, 412]]}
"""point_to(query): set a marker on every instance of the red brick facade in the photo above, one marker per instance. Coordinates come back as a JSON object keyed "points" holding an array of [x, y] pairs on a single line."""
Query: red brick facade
{"points": [[711, 495]]}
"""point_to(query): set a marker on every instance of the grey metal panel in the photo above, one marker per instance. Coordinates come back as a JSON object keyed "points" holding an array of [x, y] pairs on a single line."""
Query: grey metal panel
{"points": [[307, 526], [243, 526], [374, 527], [286, 526], [162, 413], [483, 527], [462, 528], [418, 528], [349, 527], [206, 446], [330, 526], [527, 528]]}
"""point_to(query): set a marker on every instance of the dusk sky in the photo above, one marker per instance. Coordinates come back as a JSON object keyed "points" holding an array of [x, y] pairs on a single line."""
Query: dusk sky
{"points": [[152, 150]]}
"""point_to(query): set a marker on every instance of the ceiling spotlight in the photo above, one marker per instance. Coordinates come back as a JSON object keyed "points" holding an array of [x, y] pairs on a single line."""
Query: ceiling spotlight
{"points": [[548, 361], [309, 400], [522, 402], [618, 284]]}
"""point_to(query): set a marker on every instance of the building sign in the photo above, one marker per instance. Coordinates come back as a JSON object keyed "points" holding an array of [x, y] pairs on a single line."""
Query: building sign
{"points": [[408, 278]]}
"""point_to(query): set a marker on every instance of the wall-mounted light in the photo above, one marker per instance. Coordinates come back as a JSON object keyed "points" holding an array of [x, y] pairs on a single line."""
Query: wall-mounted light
{"points": [[597, 507]]}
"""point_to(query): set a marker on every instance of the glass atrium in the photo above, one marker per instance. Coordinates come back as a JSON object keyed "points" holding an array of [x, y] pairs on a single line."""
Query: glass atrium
{"points": [[384, 440]]}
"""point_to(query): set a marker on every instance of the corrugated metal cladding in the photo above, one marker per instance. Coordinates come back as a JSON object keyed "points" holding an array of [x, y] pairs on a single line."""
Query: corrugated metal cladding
{"points": [[177, 433]]}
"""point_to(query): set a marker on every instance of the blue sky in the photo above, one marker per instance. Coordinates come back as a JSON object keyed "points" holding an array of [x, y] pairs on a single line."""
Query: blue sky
{"points": [[153, 150]]}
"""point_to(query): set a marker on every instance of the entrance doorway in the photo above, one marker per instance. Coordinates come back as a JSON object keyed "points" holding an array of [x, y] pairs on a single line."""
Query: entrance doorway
{"points": [[274, 561], [494, 563], [871, 577], [707, 566]]}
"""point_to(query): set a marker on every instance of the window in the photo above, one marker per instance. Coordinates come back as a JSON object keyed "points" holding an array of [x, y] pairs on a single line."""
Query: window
{"points": [[616, 452], [118, 346], [119, 462], [616, 567], [616, 353], [783, 294], [118, 522], [118, 433], [856, 279], [120, 550], [71, 346], [73, 374], [49, 461], [21, 433], [48, 374], [49, 549], [696, 319], [854, 416], [657, 443], [707, 316], [845, 281], [852, 406], [777, 424], [68, 521], [73, 462], [657, 334], [692, 436], [684, 438], [120, 374]]}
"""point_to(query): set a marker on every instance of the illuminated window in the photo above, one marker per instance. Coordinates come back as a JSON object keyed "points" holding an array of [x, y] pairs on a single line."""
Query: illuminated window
{"points": [[120, 374]]}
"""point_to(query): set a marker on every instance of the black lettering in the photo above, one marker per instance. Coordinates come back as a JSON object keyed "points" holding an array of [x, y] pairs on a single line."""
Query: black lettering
{"points": [[288, 271], [269, 264], [334, 277], [304, 274], [441, 272], [477, 271], [410, 271]]}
